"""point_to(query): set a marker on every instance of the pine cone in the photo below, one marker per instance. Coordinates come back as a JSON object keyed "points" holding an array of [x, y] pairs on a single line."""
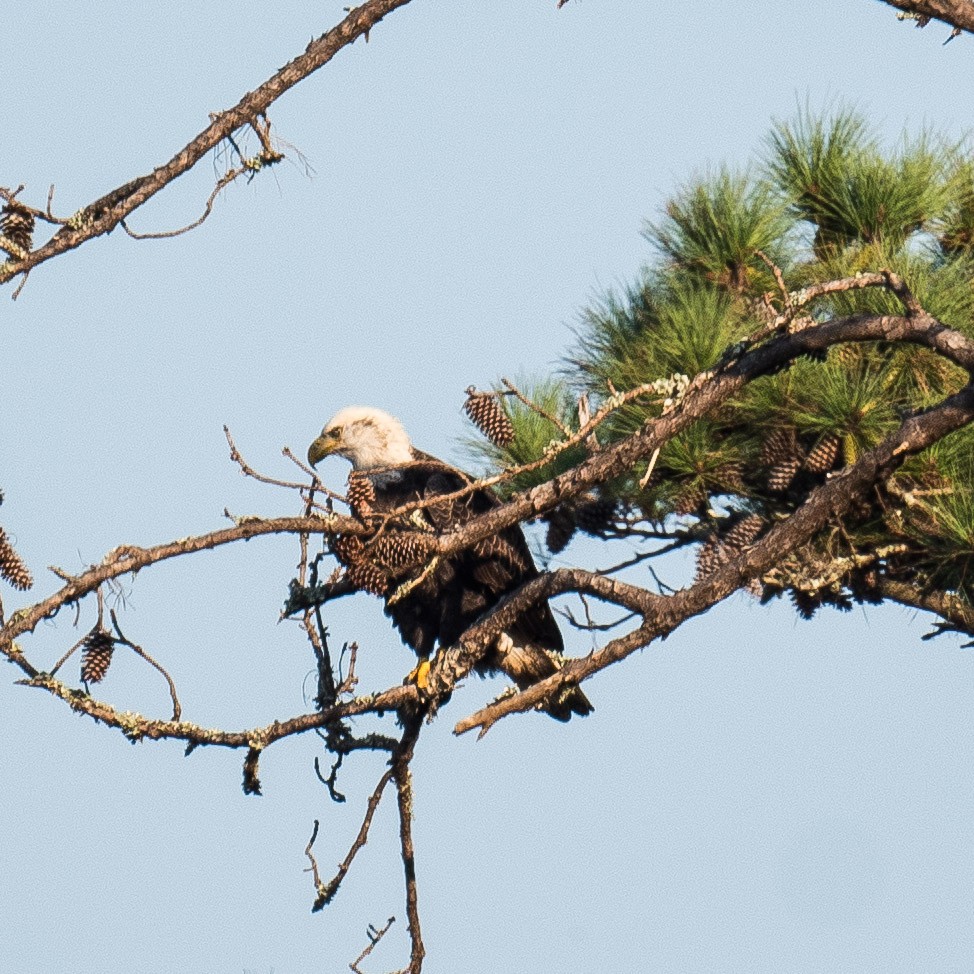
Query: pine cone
{"points": [[17, 226], [488, 416], [12, 566], [348, 548], [778, 445], [782, 474], [848, 354], [821, 458], [690, 500], [398, 550], [561, 529], [742, 534], [718, 550], [96, 655], [360, 495], [732, 476], [365, 575], [709, 559], [806, 602]]}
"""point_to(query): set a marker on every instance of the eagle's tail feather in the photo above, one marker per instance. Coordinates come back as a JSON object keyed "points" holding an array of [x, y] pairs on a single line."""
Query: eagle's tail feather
{"points": [[526, 663]]}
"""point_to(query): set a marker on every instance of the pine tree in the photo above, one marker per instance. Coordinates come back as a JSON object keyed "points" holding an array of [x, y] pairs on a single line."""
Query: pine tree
{"points": [[826, 201]]}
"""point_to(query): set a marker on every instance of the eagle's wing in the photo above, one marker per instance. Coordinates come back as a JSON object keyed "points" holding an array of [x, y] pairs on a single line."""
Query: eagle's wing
{"points": [[458, 590], [499, 563]]}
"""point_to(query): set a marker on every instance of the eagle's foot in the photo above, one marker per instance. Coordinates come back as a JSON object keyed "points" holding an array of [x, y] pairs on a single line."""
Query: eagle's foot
{"points": [[419, 675]]}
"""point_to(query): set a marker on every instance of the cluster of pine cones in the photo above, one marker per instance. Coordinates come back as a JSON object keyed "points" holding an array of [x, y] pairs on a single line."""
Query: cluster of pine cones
{"points": [[784, 456], [373, 566]]}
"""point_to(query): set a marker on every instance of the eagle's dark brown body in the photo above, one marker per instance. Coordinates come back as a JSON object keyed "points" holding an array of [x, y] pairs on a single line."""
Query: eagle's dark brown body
{"points": [[432, 602]]}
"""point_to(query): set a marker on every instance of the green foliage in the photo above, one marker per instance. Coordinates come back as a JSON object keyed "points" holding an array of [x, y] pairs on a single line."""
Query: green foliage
{"points": [[839, 181], [827, 201], [715, 227], [534, 435]]}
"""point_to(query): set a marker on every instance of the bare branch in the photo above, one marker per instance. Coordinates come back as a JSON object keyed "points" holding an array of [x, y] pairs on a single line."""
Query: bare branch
{"points": [[375, 935], [176, 708], [104, 214], [326, 892], [958, 13], [404, 794]]}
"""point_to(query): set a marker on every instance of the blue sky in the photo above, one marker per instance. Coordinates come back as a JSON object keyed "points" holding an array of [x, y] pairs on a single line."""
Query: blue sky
{"points": [[755, 794]]}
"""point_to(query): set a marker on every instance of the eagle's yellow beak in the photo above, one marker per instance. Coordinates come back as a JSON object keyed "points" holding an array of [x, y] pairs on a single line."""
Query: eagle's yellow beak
{"points": [[326, 444]]}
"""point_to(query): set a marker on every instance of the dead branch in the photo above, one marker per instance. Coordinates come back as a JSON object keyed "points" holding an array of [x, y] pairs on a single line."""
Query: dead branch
{"points": [[404, 793], [120, 638], [249, 167], [374, 935], [326, 891], [104, 214], [957, 13]]}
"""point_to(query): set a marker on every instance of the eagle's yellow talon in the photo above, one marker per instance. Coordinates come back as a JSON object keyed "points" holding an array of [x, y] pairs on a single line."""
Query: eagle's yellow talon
{"points": [[419, 675]]}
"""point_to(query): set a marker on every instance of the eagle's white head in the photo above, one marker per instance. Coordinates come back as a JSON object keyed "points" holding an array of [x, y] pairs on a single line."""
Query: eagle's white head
{"points": [[367, 437]]}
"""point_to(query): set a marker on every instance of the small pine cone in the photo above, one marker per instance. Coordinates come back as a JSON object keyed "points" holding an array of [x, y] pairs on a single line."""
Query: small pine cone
{"points": [[398, 550], [561, 529], [486, 414], [782, 474], [848, 354], [17, 225], [709, 558], [778, 445], [348, 548], [360, 495], [96, 655], [594, 516], [821, 458], [690, 501], [12, 566], [864, 586], [732, 476], [368, 577], [742, 534]]}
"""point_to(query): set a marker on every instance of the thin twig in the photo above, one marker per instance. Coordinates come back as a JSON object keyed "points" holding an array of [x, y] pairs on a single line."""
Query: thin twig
{"points": [[534, 407], [375, 935], [177, 710], [326, 892]]}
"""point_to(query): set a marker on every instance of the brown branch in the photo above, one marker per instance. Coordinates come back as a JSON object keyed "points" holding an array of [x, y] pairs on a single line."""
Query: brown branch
{"points": [[106, 213], [375, 935], [404, 793], [128, 559], [177, 710], [326, 892], [957, 611], [268, 156], [957, 13], [706, 392], [136, 727], [662, 614]]}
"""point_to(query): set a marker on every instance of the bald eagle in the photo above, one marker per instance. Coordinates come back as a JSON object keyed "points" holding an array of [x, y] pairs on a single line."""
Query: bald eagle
{"points": [[430, 600]]}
